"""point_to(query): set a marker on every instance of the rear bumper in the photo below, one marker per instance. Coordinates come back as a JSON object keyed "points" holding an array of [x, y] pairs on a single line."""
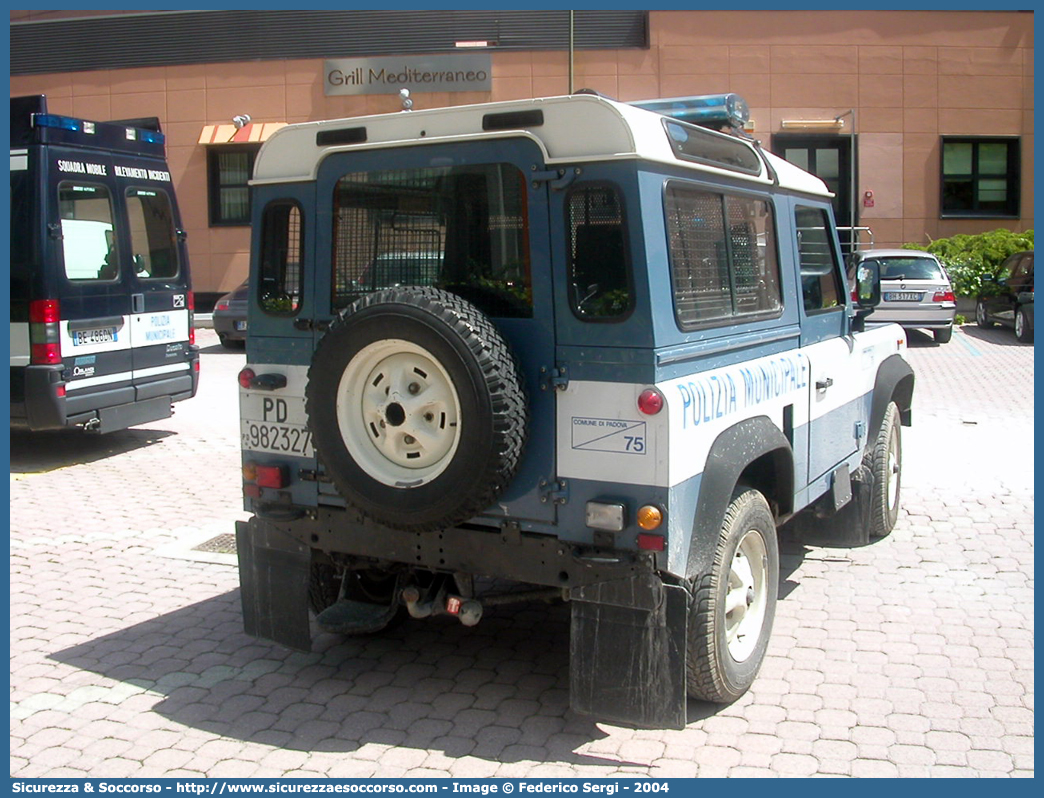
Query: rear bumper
{"points": [[43, 406]]}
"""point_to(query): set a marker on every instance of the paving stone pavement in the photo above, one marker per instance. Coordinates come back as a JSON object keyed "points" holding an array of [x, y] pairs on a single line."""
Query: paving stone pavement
{"points": [[912, 656]]}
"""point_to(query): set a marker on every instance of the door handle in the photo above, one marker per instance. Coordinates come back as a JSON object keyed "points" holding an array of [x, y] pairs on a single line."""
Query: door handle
{"points": [[822, 385]]}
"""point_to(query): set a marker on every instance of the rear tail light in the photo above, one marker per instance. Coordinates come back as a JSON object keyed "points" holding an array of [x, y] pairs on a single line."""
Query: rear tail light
{"points": [[944, 296], [650, 517], [271, 476], [192, 317], [647, 542], [223, 305], [45, 344], [650, 402], [246, 376]]}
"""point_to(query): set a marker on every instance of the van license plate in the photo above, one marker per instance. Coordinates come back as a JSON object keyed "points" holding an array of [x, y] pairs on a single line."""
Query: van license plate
{"points": [[903, 296], [105, 335]]}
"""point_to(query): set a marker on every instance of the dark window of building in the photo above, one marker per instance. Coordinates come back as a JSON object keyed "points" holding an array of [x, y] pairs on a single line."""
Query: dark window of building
{"points": [[980, 176], [722, 250], [820, 285], [282, 253], [599, 269], [229, 171], [460, 228]]}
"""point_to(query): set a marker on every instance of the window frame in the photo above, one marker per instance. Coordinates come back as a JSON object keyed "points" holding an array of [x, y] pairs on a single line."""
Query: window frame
{"points": [[733, 318], [1012, 177], [628, 264], [265, 241], [214, 184], [838, 270]]}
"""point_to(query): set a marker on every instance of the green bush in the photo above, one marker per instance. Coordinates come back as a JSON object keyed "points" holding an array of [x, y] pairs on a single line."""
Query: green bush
{"points": [[968, 258]]}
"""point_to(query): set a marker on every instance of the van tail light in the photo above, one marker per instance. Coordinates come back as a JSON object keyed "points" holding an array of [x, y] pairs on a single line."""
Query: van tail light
{"points": [[191, 300], [269, 476], [45, 346], [944, 296]]}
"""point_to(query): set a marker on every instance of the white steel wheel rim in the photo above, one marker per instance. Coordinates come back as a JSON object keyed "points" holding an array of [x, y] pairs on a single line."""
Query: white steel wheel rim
{"points": [[398, 413], [893, 469], [746, 596]]}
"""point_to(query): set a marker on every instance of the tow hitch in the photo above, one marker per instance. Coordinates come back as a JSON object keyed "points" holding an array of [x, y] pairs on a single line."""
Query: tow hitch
{"points": [[437, 600]]}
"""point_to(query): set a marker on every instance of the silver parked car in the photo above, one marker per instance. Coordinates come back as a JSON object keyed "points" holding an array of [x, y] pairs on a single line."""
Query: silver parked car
{"points": [[915, 290]]}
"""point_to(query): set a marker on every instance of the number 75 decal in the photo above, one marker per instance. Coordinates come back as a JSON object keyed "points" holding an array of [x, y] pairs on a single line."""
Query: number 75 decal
{"points": [[608, 435]]}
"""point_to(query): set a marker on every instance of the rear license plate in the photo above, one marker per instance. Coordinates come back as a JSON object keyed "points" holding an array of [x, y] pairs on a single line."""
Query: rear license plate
{"points": [[105, 335], [240, 325], [274, 424], [903, 296]]}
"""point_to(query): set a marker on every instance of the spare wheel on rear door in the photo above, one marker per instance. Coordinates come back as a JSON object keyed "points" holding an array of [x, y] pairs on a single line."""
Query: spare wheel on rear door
{"points": [[416, 408]]}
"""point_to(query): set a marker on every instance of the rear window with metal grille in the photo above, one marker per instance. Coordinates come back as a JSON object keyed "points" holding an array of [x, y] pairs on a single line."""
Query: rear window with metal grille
{"points": [[463, 229], [722, 250], [282, 253]]}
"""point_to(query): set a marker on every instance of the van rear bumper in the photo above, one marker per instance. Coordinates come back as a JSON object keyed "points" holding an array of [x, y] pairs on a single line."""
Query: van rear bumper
{"points": [[40, 407]]}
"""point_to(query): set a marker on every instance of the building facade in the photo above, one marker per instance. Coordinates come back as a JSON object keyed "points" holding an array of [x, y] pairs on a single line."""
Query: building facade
{"points": [[921, 122]]}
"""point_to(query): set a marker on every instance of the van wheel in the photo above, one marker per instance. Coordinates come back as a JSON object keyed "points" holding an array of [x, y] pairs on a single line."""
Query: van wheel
{"points": [[416, 408], [734, 604], [885, 461]]}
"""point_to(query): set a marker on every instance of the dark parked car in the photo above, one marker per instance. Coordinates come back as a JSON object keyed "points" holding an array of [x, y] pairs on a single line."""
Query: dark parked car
{"points": [[1007, 297], [230, 317]]}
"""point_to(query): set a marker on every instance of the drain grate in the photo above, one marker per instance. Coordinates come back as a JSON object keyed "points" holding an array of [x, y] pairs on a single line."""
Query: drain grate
{"points": [[222, 544]]}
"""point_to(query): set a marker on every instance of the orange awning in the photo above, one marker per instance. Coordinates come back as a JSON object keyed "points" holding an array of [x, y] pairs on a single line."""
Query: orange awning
{"points": [[253, 133]]}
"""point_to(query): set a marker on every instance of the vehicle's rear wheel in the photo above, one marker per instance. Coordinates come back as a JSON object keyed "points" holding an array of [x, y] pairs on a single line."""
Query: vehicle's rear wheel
{"points": [[885, 461], [416, 408], [981, 318], [943, 336], [1023, 328], [735, 603]]}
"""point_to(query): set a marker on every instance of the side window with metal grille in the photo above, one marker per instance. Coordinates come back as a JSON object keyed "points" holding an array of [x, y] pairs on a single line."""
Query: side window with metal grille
{"points": [[599, 269], [460, 228], [282, 253], [724, 263], [820, 284]]}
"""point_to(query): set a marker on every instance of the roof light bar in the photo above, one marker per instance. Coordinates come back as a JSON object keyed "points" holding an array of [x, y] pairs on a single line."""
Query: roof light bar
{"points": [[709, 110], [61, 122]]}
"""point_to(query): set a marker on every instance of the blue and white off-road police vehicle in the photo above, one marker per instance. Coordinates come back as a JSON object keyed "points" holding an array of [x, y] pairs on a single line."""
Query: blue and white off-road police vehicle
{"points": [[583, 345], [101, 302]]}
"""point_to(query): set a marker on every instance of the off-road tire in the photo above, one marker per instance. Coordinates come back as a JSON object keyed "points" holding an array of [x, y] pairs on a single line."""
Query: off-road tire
{"points": [[472, 369], [713, 672], [885, 461]]}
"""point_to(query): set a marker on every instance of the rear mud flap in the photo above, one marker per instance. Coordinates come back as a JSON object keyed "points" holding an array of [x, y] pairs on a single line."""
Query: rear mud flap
{"points": [[273, 585], [627, 652]]}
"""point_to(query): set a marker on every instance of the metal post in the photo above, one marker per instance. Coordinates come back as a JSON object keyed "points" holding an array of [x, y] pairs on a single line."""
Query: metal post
{"points": [[854, 189]]}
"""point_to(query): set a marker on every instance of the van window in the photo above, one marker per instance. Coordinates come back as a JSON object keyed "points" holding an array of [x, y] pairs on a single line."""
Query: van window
{"points": [[722, 251], [819, 278], [460, 228], [282, 252], [599, 270], [88, 240], [153, 237]]}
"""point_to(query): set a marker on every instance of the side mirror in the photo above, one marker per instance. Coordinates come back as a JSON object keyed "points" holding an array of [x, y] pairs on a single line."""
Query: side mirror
{"points": [[868, 285]]}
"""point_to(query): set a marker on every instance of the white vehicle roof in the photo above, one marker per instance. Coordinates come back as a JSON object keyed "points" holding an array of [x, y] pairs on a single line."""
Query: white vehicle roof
{"points": [[575, 128]]}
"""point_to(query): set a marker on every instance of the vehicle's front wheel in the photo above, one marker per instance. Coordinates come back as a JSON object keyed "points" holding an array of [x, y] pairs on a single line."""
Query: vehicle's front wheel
{"points": [[886, 466], [981, 318], [943, 335], [734, 604], [1023, 328]]}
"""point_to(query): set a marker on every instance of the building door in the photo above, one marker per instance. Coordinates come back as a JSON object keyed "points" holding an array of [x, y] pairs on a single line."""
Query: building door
{"points": [[830, 159]]}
